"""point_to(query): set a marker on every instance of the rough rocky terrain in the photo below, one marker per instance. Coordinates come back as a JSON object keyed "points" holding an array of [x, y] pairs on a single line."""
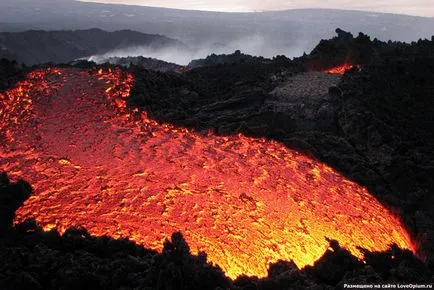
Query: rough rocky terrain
{"points": [[305, 96]]}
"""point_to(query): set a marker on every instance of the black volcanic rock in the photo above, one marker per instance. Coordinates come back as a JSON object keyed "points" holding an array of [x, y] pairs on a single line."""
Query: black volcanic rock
{"points": [[176, 268], [12, 196], [334, 264], [385, 113], [398, 265], [144, 62], [223, 98], [10, 73], [361, 50], [221, 59], [343, 48]]}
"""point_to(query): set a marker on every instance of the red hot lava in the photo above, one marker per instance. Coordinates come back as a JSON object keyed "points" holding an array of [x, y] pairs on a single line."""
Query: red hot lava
{"points": [[246, 202], [339, 69]]}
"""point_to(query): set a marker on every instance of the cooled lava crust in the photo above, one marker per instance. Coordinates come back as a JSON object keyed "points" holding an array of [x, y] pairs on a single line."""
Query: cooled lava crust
{"points": [[246, 202]]}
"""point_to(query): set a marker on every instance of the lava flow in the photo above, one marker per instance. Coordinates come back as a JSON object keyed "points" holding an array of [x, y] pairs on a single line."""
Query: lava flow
{"points": [[246, 202], [339, 69]]}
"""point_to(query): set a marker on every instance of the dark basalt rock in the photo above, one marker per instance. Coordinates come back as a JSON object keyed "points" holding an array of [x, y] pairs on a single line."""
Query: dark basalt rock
{"points": [[144, 62], [398, 265], [334, 264], [385, 113], [235, 58], [12, 196], [21, 280], [361, 50], [10, 73]]}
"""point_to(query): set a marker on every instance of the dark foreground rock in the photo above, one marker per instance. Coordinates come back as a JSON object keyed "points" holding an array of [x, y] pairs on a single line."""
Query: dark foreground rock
{"points": [[10, 73]]}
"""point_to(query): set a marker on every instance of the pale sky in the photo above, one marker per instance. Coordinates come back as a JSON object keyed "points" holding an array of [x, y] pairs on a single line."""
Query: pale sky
{"points": [[411, 7]]}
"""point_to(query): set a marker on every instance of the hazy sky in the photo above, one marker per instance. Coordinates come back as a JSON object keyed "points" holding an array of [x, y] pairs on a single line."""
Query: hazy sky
{"points": [[412, 7]]}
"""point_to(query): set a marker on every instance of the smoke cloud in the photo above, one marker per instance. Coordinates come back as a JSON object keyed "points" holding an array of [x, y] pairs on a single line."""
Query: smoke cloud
{"points": [[256, 45]]}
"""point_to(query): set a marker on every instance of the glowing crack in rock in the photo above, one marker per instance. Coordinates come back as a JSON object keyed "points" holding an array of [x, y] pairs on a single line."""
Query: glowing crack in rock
{"points": [[246, 202], [339, 69]]}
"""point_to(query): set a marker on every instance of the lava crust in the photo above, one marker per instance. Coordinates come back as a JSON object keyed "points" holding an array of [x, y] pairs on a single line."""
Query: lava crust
{"points": [[246, 202]]}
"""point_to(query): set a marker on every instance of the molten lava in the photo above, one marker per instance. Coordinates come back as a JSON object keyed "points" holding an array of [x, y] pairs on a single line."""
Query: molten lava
{"points": [[339, 69], [246, 202]]}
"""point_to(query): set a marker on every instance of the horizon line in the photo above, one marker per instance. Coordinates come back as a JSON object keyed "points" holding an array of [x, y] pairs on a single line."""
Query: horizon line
{"points": [[254, 11]]}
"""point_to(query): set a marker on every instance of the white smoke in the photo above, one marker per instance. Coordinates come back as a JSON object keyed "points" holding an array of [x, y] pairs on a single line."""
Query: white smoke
{"points": [[256, 45]]}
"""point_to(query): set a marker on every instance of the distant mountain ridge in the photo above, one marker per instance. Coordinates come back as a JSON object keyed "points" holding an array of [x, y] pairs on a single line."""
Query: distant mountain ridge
{"points": [[289, 32], [36, 46]]}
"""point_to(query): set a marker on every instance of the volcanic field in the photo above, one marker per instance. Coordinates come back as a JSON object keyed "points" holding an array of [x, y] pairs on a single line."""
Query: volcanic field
{"points": [[95, 163]]}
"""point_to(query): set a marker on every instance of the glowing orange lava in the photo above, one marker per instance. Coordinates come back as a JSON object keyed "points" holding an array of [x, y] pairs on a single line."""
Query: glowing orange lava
{"points": [[339, 69], [246, 202]]}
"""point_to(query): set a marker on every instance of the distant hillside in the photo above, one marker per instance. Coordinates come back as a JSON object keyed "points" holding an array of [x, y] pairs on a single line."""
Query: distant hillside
{"points": [[36, 47], [267, 34]]}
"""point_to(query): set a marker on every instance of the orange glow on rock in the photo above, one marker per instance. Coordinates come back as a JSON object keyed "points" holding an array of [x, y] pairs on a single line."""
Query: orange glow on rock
{"points": [[246, 202], [339, 69]]}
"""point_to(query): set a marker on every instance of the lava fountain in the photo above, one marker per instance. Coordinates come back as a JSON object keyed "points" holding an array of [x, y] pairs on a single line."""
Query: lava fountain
{"points": [[246, 202]]}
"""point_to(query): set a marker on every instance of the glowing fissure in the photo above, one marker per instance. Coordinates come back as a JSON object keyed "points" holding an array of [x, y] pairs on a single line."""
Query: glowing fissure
{"points": [[246, 202], [339, 69]]}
